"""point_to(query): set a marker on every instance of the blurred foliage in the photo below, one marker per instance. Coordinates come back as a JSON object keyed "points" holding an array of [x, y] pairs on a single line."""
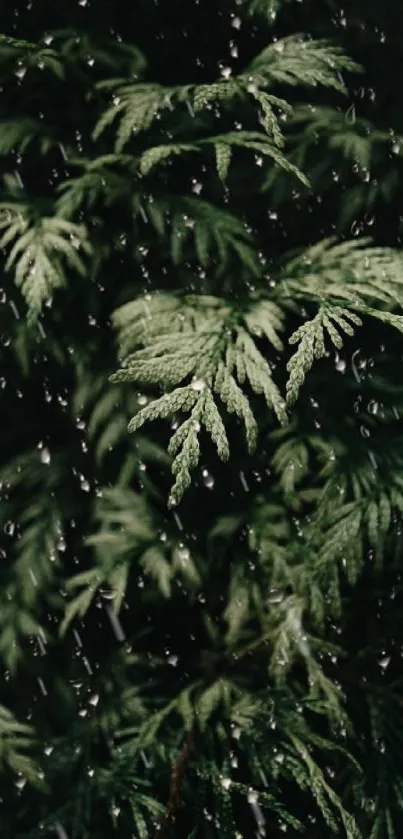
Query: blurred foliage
{"points": [[201, 454]]}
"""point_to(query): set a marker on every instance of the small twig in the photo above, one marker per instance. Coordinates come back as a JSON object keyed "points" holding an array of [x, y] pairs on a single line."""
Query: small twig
{"points": [[174, 803]]}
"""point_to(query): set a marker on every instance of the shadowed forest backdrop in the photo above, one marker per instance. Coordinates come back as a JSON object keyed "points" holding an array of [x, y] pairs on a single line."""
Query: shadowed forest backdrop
{"points": [[201, 625]]}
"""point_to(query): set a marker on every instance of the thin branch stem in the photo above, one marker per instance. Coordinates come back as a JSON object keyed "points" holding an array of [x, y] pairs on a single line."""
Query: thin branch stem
{"points": [[174, 803]]}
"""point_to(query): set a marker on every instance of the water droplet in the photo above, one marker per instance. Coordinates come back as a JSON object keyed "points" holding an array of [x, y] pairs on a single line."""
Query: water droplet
{"points": [[94, 700], [183, 554], [354, 368], [198, 385], [173, 660], [115, 623], [87, 665], [373, 407], [276, 595], [369, 220], [9, 528], [107, 594], [350, 114], [42, 686], [364, 431], [226, 783], [178, 521], [340, 364], [208, 479], [243, 482], [14, 310], [45, 456]]}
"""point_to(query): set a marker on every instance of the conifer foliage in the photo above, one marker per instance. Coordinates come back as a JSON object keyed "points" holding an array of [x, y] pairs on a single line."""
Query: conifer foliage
{"points": [[201, 457]]}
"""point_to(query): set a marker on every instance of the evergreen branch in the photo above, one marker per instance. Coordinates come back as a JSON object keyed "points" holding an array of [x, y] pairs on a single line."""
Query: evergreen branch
{"points": [[292, 61], [16, 740], [350, 273], [298, 61], [20, 55], [159, 154], [16, 135], [311, 339], [114, 551], [199, 228], [223, 154], [205, 350], [39, 248], [111, 53], [99, 181], [137, 105], [253, 140]]}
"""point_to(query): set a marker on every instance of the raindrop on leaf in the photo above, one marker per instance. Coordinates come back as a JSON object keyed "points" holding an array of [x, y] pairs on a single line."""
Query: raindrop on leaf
{"points": [[198, 385], [21, 783], [9, 528], [226, 72]]}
